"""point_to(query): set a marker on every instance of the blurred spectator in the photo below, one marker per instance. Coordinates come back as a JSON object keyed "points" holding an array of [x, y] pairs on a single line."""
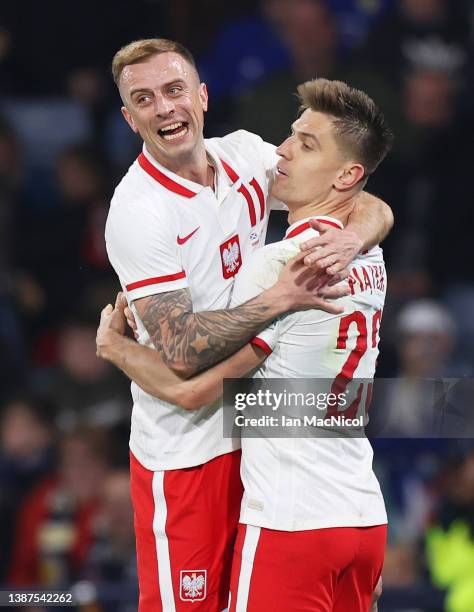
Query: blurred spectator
{"points": [[112, 557], [424, 181], [84, 178], [419, 34], [426, 337], [55, 529], [10, 180], [411, 413], [247, 51], [86, 389], [310, 35], [450, 542], [45, 65], [459, 298], [183, 16], [27, 438], [12, 357], [75, 253], [355, 18]]}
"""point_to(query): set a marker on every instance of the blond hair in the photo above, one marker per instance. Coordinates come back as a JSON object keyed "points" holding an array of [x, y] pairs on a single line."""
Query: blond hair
{"points": [[360, 129], [140, 50]]}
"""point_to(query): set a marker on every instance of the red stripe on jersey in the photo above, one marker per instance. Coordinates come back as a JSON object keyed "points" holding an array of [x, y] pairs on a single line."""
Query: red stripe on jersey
{"points": [[261, 344], [298, 230], [245, 192], [260, 196], [234, 177], [156, 280], [164, 180], [333, 223], [306, 225]]}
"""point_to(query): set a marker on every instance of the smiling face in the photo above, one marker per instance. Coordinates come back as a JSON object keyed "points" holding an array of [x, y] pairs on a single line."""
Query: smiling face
{"points": [[165, 104], [312, 166]]}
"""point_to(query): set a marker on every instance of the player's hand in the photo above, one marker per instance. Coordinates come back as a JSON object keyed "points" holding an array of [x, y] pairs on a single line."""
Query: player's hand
{"points": [[331, 251], [112, 324], [303, 288]]}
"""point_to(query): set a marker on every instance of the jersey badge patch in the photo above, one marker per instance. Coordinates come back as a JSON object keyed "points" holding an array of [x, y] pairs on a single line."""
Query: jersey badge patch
{"points": [[193, 585], [231, 257]]}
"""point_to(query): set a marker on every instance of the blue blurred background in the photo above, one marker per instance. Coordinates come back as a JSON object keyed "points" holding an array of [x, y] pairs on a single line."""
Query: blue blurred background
{"points": [[65, 514]]}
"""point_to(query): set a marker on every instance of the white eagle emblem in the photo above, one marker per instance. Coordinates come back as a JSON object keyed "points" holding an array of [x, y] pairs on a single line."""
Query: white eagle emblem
{"points": [[230, 256], [193, 585]]}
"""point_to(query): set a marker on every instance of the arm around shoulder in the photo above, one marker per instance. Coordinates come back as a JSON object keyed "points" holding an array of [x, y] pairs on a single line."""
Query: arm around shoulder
{"points": [[371, 219]]}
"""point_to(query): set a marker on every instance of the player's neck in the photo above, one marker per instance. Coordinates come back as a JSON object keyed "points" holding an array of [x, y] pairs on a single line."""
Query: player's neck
{"points": [[199, 171], [340, 208], [193, 167]]}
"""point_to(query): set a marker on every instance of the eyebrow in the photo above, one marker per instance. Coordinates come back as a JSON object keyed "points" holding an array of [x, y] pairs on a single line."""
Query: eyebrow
{"points": [[139, 90], [147, 89]]}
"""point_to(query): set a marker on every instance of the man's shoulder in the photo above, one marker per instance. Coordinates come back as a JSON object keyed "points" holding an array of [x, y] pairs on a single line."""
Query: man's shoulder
{"points": [[135, 192], [136, 207], [239, 137], [130, 188], [243, 146], [262, 268], [373, 256]]}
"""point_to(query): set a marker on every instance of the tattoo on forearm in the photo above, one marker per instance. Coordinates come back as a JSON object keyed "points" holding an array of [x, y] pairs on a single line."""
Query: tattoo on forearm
{"points": [[201, 339]]}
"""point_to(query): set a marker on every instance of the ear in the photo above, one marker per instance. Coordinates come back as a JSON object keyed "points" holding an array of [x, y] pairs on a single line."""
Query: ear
{"points": [[129, 119], [203, 96], [349, 176]]}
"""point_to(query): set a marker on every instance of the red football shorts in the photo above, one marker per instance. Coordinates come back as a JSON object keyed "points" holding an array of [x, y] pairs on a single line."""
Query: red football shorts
{"points": [[319, 570], [185, 527]]}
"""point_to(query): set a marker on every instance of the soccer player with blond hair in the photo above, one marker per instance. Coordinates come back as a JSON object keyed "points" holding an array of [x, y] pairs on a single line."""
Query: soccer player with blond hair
{"points": [[182, 223]]}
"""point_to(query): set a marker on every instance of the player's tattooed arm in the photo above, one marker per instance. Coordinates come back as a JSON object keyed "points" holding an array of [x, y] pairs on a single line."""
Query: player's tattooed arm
{"points": [[189, 342], [145, 366]]}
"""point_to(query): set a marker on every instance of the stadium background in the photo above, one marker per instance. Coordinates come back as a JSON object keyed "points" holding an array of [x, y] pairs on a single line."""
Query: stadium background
{"points": [[65, 514]]}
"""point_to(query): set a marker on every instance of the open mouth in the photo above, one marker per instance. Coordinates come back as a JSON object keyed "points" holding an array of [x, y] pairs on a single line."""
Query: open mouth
{"points": [[174, 130], [280, 172]]}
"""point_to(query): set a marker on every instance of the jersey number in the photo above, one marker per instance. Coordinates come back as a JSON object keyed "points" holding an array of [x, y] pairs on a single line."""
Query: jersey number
{"points": [[346, 374]]}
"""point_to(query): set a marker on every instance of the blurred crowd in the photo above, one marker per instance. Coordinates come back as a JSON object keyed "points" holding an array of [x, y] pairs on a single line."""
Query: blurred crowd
{"points": [[65, 512]]}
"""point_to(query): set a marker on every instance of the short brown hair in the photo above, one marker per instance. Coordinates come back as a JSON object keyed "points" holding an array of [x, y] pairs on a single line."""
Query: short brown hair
{"points": [[140, 50], [360, 127]]}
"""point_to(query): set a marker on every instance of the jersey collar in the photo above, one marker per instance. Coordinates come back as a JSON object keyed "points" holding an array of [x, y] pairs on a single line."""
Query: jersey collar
{"points": [[303, 224], [177, 184]]}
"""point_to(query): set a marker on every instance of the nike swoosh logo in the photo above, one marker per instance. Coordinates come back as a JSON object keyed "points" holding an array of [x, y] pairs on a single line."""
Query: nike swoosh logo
{"points": [[186, 238]]}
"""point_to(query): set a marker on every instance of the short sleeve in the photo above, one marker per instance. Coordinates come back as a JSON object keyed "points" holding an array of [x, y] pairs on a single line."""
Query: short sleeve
{"points": [[268, 338], [143, 251]]}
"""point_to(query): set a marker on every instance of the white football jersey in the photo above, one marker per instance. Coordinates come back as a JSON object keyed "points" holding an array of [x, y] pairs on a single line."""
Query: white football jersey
{"points": [[311, 483], [165, 233]]}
